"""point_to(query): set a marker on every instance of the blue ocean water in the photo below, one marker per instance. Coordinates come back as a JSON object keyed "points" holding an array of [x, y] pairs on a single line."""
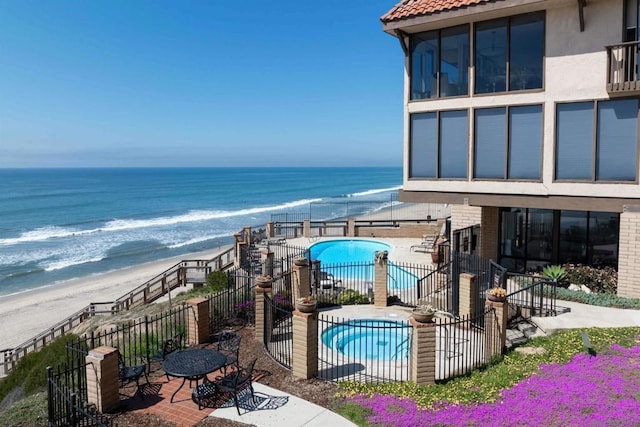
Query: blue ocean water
{"points": [[58, 224]]}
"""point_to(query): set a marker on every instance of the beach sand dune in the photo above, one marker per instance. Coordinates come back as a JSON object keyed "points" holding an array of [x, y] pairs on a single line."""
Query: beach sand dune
{"points": [[25, 315]]}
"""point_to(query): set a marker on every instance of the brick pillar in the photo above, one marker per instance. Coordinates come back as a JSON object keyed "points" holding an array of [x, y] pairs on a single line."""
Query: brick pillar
{"points": [[380, 282], [423, 352], [306, 228], [351, 227], [266, 256], [260, 314], [629, 252], [102, 378], [270, 230], [305, 344], [301, 281], [199, 318], [495, 329], [467, 293]]}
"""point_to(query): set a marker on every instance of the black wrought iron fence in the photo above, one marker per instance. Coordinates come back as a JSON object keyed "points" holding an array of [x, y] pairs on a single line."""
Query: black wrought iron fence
{"points": [[404, 281], [435, 288], [460, 345], [278, 330], [234, 305], [66, 407], [364, 350], [472, 264], [137, 340], [348, 283], [529, 296]]}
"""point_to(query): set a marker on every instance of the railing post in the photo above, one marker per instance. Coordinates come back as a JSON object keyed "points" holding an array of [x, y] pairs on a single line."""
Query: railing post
{"points": [[102, 378], [198, 322], [423, 352], [302, 285], [467, 294], [495, 329], [351, 227], [260, 309], [381, 277], [305, 344], [306, 228]]}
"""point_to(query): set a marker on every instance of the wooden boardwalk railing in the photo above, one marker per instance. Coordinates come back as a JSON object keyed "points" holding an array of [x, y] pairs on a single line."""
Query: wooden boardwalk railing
{"points": [[188, 271]]}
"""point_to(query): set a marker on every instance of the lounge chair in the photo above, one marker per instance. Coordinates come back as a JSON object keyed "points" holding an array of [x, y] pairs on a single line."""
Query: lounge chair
{"points": [[428, 243]]}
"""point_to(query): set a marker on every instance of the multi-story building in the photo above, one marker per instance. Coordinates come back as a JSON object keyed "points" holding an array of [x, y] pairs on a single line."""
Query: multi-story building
{"points": [[524, 115]]}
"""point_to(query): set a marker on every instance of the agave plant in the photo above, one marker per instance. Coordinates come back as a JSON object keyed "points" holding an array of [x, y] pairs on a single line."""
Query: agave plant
{"points": [[555, 272]]}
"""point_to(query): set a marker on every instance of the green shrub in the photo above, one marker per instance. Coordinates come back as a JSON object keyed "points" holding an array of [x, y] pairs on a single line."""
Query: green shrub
{"points": [[602, 280], [603, 300], [557, 273], [31, 370], [351, 296], [216, 281]]}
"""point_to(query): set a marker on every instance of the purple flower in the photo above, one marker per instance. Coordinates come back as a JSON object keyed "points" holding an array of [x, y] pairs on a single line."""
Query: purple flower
{"points": [[587, 391]]}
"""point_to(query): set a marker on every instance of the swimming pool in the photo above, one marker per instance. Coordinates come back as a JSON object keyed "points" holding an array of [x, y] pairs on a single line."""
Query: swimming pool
{"points": [[342, 251], [369, 338]]}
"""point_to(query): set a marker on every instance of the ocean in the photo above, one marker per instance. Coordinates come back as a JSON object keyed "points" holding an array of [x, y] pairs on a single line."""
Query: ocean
{"points": [[60, 224]]}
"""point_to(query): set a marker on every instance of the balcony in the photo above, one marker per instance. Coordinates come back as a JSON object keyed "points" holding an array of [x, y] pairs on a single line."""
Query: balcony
{"points": [[622, 69]]}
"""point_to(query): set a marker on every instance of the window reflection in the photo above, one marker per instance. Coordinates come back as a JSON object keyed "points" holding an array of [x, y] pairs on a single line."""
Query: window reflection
{"points": [[440, 63], [509, 53]]}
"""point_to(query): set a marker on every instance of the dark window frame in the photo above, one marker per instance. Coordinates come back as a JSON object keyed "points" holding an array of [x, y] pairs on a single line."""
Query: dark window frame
{"points": [[438, 153], [595, 141], [438, 60], [507, 144], [507, 64]]}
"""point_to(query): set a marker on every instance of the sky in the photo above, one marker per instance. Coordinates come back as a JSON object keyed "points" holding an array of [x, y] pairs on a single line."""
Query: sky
{"points": [[125, 83]]}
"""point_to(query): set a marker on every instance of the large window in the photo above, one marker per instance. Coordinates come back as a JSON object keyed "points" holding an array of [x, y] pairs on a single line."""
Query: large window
{"points": [[509, 53], [508, 143], [438, 145], [533, 238], [440, 63], [597, 141]]}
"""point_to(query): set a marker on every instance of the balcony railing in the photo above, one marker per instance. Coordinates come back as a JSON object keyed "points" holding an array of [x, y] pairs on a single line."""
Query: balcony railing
{"points": [[622, 69]]}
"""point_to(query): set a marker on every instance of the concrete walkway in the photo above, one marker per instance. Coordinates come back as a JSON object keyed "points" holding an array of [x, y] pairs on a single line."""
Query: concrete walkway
{"points": [[572, 315], [275, 408]]}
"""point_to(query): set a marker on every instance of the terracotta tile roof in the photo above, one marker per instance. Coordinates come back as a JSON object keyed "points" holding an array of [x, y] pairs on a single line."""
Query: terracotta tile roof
{"points": [[411, 8]]}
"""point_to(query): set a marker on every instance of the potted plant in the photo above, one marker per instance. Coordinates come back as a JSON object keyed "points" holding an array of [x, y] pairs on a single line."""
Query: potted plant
{"points": [[300, 261], [264, 281], [497, 294], [306, 304], [424, 312]]}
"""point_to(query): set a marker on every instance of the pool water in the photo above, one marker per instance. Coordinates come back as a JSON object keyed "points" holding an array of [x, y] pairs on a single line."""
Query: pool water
{"points": [[344, 251], [369, 338]]}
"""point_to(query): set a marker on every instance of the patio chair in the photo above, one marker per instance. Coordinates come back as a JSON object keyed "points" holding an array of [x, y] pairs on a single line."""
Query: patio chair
{"points": [[237, 381], [328, 281], [229, 345], [428, 243], [168, 346], [131, 373]]}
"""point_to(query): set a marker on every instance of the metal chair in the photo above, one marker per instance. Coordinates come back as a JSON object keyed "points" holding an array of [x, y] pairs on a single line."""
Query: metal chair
{"points": [[237, 381], [169, 346], [127, 374], [229, 345]]}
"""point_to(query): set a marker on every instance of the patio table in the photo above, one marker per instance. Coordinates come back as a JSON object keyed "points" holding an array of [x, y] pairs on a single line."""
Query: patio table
{"points": [[192, 364]]}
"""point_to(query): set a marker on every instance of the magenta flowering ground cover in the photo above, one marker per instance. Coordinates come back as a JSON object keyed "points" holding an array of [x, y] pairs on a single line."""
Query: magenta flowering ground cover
{"points": [[588, 391]]}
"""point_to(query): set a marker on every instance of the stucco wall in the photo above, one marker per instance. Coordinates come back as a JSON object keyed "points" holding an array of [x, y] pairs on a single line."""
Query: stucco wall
{"points": [[575, 69]]}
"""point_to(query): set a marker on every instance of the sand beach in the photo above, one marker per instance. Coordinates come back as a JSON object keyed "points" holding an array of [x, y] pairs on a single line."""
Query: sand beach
{"points": [[26, 314]]}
